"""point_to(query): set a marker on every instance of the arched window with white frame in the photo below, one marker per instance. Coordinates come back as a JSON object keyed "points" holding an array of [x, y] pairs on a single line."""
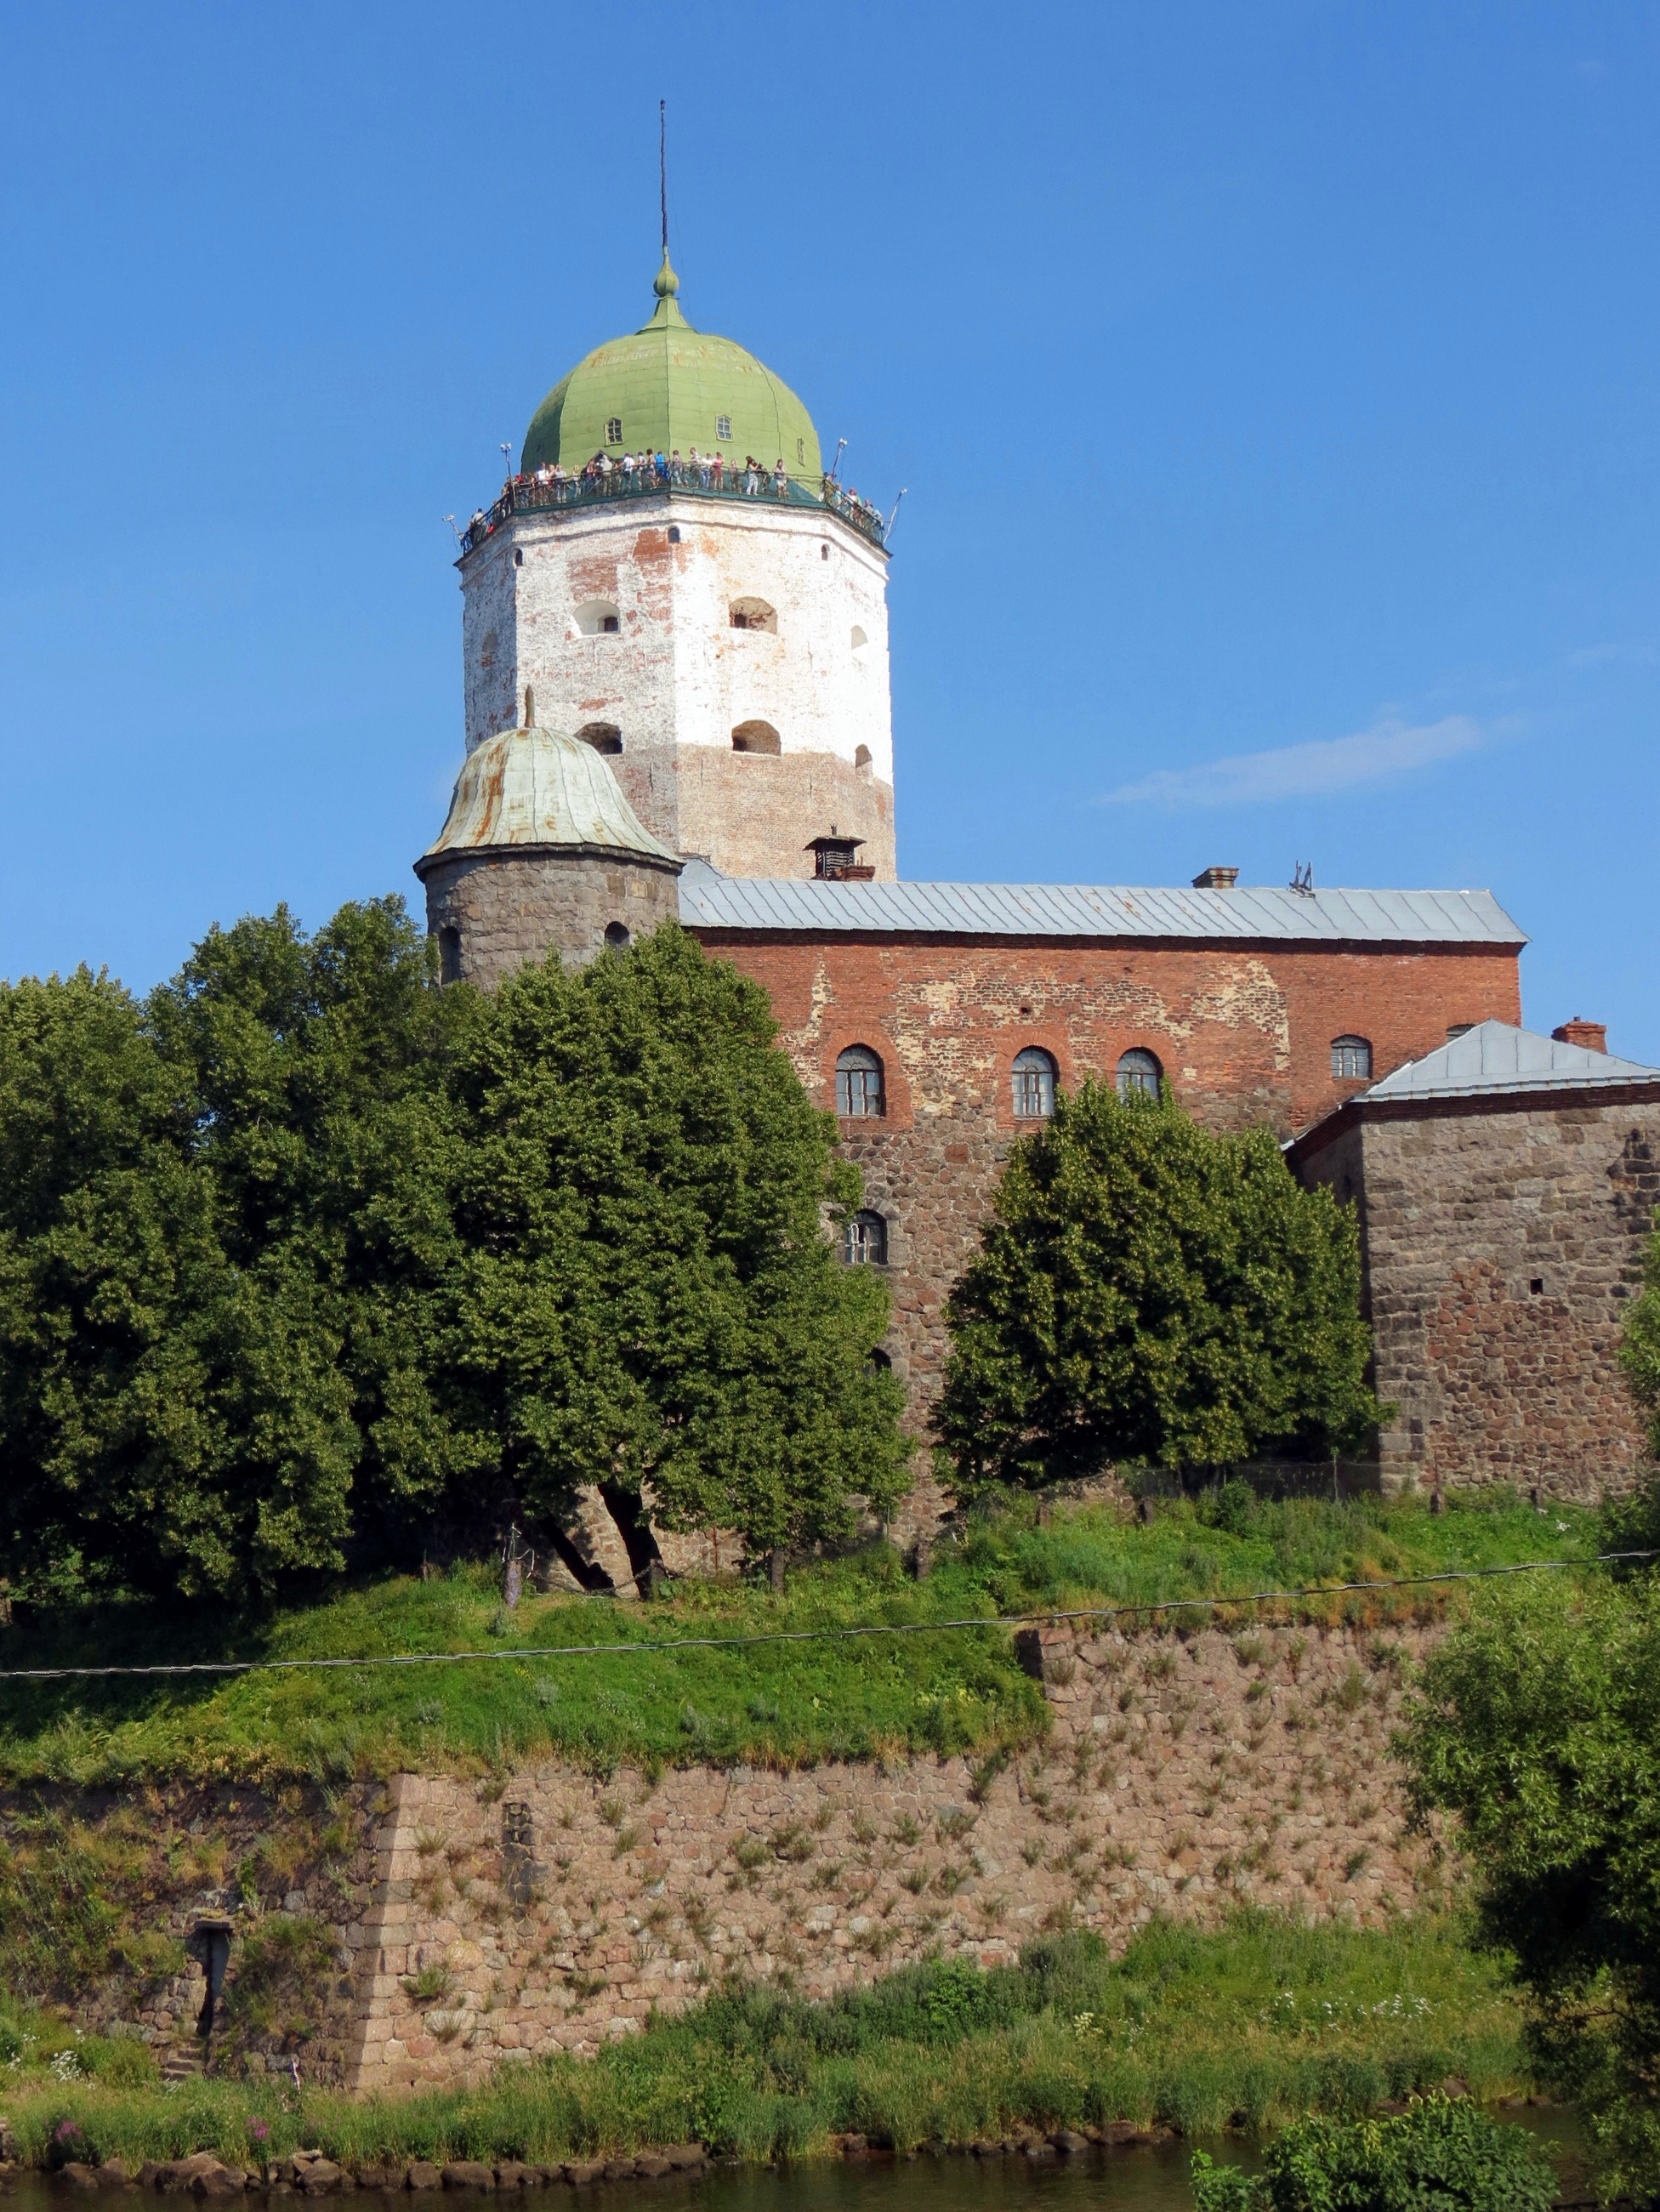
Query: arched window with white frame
{"points": [[859, 1092], [864, 1240], [1351, 1060], [1033, 1084]]}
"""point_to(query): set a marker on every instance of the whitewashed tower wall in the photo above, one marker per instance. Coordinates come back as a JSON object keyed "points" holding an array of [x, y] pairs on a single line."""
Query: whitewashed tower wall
{"points": [[677, 678]]}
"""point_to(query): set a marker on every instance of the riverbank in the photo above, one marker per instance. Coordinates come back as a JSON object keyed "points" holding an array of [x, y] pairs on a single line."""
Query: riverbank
{"points": [[1189, 2031]]}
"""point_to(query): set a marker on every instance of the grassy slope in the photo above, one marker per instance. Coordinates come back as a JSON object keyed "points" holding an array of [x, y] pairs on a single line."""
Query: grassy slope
{"points": [[1248, 2027], [777, 1703]]}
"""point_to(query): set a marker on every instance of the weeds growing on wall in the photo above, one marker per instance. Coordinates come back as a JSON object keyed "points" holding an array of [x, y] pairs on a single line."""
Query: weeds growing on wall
{"points": [[770, 1704], [1244, 2027]]}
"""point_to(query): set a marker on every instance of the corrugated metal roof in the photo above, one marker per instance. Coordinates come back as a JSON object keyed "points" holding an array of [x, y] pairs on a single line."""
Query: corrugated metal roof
{"points": [[1249, 915], [1493, 1058]]}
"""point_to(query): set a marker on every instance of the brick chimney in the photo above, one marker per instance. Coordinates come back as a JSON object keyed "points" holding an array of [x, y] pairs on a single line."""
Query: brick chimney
{"points": [[1594, 1036], [1216, 879]]}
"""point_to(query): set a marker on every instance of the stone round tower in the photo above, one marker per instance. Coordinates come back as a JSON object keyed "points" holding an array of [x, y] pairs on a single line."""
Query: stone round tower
{"points": [[540, 853], [717, 630]]}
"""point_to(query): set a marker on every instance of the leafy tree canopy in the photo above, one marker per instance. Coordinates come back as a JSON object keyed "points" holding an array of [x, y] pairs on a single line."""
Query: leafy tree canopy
{"points": [[304, 1250], [1148, 1290], [1538, 1723], [647, 1297]]}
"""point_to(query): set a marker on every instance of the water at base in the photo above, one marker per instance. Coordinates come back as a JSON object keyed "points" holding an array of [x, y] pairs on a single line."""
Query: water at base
{"points": [[1149, 2179]]}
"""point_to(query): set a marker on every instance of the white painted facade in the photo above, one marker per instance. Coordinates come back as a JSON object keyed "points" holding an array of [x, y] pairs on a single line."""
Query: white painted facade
{"points": [[675, 679]]}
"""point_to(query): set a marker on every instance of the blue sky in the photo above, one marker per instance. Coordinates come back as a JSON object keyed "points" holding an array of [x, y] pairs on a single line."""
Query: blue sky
{"points": [[1277, 389]]}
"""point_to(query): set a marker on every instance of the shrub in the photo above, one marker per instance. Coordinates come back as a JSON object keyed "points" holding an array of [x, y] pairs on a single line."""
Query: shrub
{"points": [[1438, 2155]]}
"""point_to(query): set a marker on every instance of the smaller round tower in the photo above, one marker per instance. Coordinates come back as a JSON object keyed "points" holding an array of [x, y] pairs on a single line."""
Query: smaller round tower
{"points": [[540, 853]]}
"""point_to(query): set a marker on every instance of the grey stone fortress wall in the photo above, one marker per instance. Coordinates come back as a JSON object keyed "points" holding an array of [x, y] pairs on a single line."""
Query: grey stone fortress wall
{"points": [[474, 1921], [492, 911]]}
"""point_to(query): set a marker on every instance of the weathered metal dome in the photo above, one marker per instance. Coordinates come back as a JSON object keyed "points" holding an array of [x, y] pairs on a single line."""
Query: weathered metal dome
{"points": [[533, 788]]}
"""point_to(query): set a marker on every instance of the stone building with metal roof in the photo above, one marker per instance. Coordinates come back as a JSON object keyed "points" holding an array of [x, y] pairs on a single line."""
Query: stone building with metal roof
{"points": [[1505, 1185]]}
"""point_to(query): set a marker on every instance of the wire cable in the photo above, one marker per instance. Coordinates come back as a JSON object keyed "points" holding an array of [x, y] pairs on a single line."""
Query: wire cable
{"points": [[1049, 1617]]}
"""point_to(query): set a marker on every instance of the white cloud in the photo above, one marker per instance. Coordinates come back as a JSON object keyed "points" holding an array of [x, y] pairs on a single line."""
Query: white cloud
{"points": [[1387, 751]]}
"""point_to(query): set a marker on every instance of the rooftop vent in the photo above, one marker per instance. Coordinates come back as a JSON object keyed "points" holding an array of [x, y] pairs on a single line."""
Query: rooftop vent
{"points": [[1216, 879], [1594, 1036], [835, 860]]}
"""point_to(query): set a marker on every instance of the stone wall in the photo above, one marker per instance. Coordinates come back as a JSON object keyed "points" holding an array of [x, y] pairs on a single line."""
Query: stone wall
{"points": [[676, 678], [1244, 1035], [1182, 1777], [467, 1921], [511, 905], [1502, 1240], [291, 1873]]}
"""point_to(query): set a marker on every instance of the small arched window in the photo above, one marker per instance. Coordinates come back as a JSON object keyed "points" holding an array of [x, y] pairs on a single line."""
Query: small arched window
{"points": [[753, 614], [859, 1084], [1034, 1084], [449, 955], [597, 619], [1351, 1058], [614, 430], [861, 756], [859, 641], [865, 1241], [616, 937], [1139, 1074], [603, 736], [755, 738]]}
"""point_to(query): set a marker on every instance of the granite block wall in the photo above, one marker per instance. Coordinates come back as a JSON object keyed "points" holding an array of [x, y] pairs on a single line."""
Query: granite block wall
{"points": [[554, 1910], [1502, 1242]]}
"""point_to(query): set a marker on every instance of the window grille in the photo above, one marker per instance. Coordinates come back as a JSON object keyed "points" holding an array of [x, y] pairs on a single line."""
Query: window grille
{"points": [[865, 1241], [1139, 1074], [1351, 1058], [1034, 1084], [859, 1084], [614, 431]]}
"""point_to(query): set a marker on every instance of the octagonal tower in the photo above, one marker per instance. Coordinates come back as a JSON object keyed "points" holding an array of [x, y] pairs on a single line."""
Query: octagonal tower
{"points": [[719, 633]]}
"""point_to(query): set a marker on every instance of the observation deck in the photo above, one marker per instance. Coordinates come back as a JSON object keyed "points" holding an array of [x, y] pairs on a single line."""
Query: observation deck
{"points": [[545, 491]]}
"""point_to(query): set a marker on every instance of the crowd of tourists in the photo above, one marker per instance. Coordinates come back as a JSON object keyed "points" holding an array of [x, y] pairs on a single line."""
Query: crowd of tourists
{"points": [[602, 477]]}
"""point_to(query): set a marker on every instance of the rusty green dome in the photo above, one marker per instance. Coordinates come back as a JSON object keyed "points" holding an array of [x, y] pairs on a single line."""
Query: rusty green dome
{"points": [[669, 385]]}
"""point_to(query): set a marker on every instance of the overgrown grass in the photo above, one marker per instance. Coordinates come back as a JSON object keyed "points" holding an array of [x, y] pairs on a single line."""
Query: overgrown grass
{"points": [[776, 1703], [1244, 2027]]}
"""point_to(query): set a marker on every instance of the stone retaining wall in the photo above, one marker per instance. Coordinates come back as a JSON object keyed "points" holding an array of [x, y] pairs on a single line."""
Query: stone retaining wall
{"points": [[1181, 1777]]}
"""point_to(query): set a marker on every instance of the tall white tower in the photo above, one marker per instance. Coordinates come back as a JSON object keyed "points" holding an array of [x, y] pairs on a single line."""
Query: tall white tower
{"points": [[720, 631]]}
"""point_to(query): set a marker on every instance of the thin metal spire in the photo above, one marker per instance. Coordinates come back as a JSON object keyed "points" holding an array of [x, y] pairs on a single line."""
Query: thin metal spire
{"points": [[663, 168]]}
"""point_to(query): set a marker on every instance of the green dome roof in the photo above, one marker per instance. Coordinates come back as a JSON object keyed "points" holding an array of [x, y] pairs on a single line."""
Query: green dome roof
{"points": [[666, 386]]}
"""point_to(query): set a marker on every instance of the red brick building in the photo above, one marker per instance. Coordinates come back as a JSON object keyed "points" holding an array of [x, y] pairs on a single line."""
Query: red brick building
{"points": [[1255, 1005]]}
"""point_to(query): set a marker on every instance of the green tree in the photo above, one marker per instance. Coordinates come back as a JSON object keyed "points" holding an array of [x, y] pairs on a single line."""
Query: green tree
{"points": [[319, 1068], [305, 1250], [1640, 1347], [1148, 1290], [1537, 1723], [648, 1298], [224, 1240], [111, 1279]]}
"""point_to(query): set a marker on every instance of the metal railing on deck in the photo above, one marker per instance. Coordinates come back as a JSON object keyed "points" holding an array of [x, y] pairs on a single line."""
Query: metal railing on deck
{"points": [[605, 486]]}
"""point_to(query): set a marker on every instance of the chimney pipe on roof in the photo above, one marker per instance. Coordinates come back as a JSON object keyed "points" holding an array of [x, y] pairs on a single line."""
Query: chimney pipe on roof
{"points": [[1594, 1036], [1216, 879]]}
